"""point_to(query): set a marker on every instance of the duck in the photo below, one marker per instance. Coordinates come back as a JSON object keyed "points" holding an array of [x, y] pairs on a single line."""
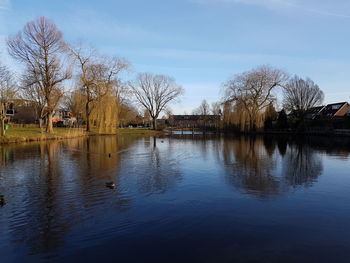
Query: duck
{"points": [[110, 185], [2, 200]]}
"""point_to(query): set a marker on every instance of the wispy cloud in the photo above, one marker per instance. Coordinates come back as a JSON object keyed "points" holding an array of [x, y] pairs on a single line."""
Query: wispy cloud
{"points": [[5, 4], [105, 27], [265, 3], [287, 5]]}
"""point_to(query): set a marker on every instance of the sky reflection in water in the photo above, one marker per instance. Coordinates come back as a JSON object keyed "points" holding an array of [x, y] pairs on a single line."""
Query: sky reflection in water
{"points": [[201, 198]]}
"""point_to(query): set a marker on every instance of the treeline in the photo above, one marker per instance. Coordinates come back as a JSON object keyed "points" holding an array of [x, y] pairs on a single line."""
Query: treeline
{"points": [[98, 90], [250, 100], [95, 88]]}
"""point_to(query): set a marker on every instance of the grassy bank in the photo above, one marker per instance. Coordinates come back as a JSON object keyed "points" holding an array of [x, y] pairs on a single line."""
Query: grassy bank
{"points": [[29, 134]]}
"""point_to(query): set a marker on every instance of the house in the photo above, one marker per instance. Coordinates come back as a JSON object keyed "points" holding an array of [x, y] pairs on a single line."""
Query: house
{"points": [[64, 118], [330, 111], [194, 121], [334, 110], [22, 111], [313, 113], [162, 122]]}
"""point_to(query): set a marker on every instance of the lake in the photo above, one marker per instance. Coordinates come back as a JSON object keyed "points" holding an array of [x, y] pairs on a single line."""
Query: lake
{"points": [[178, 198]]}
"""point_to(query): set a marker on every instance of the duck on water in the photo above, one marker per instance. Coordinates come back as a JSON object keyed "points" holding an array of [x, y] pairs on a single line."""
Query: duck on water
{"points": [[2, 200], [110, 185]]}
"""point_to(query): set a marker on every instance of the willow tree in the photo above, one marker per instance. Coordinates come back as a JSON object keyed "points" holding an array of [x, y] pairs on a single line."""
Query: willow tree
{"points": [[254, 90], [7, 94], [155, 92], [40, 46], [235, 116], [98, 80]]}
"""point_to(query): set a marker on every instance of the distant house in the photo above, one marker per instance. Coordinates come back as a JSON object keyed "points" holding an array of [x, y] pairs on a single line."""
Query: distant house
{"points": [[22, 111], [313, 113], [162, 122], [63, 117], [194, 121], [335, 110], [137, 121], [330, 111], [347, 114]]}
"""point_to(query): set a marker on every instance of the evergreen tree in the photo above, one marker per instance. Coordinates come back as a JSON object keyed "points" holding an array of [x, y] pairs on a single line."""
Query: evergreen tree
{"points": [[282, 120]]}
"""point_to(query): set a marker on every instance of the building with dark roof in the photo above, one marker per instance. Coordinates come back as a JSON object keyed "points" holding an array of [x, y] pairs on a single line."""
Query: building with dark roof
{"points": [[194, 121], [334, 110], [330, 111], [313, 113]]}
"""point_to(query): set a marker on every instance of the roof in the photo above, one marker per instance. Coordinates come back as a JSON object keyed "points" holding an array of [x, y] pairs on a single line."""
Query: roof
{"points": [[331, 109], [195, 117], [314, 110]]}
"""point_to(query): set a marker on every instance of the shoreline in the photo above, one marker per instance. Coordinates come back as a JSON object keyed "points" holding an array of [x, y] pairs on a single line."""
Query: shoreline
{"points": [[26, 135]]}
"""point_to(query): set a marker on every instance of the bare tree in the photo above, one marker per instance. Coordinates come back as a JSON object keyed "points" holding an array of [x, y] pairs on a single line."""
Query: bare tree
{"points": [[8, 89], [203, 109], [96, 76], [253, 90], [217, 112], [301, 95], [40, 46], [155, 92], [216, 108]]}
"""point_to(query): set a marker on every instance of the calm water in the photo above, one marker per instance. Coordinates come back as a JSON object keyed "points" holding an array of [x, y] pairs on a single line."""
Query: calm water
{"points": [[181, 198]]}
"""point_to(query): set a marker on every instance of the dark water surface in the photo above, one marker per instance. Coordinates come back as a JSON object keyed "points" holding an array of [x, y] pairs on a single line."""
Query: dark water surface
{"points": [[181, 198]]}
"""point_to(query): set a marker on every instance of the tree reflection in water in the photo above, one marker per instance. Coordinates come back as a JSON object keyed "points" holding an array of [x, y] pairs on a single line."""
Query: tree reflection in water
{"points": [[301, 165], [252, 164], [59, 188], [160, 169], [55, 189]]}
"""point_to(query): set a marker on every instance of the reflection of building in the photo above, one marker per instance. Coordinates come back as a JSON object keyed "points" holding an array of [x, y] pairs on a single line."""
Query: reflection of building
{"points": [[189, 121]]}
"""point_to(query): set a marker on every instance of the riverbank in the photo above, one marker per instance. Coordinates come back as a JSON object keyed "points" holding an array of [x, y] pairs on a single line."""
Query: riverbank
{"points": [[30, 134]]}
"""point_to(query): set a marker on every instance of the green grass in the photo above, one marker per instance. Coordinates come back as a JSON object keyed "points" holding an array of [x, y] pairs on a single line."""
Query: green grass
{"points": [[27, 134], [35, 134]]}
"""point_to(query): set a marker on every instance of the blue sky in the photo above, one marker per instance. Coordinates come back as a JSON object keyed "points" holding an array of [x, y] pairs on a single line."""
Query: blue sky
{"points": [[201, 43]]}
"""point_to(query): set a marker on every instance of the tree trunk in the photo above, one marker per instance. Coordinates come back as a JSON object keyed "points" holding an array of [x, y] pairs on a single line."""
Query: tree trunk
{"points": [[88, 123], [2, 133], [40, 122], [3, 117], [154, 121], [49, 127], [87, 112]]}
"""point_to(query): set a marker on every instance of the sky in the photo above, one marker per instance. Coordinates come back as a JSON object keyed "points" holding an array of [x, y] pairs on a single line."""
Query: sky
{"points": [[202, 43]]}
